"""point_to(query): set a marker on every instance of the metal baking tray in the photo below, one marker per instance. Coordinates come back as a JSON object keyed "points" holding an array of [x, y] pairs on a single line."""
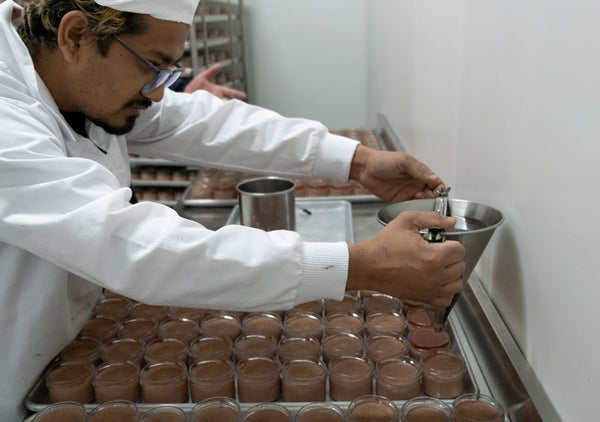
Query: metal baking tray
{"points": [[38, 397], [187, 202], [328, 221]]}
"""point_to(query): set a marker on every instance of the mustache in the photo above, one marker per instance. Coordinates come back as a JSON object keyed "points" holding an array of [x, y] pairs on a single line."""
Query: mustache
{"points": [[139, 103]]}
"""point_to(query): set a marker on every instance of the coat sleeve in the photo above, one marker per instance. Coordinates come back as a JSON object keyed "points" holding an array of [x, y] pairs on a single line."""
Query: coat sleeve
{"points": [[204, 130], [72, 212]]}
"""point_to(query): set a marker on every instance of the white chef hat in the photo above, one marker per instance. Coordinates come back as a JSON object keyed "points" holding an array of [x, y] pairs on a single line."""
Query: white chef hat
{"points": [[169, 10]]}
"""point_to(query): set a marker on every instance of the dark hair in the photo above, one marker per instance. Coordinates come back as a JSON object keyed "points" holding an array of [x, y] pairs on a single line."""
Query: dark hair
{"points": [[41, 19]]}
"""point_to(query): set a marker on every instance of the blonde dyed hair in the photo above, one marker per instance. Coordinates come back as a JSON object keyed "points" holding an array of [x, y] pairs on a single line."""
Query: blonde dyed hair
{"points": [[41, 20]]}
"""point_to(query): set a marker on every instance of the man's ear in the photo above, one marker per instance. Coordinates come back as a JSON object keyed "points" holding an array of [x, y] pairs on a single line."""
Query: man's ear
{"points": [[71, 31]]}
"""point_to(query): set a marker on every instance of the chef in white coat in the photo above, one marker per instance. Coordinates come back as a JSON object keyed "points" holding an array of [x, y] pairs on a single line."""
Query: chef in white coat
{"points": [[83, 84]]}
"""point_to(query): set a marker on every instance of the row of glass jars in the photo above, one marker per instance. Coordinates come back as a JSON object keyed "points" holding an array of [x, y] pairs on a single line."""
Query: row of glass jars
{"points": [[368, 408], [439, 374]]}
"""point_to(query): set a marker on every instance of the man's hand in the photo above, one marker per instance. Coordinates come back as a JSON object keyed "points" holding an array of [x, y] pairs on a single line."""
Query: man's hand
{"points": [[393, 176], [399, 262], [203, 81]]}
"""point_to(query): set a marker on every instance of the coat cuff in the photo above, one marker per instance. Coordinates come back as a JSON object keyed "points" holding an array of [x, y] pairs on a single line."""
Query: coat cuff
{"points": [[334, 157], [324, 271]]}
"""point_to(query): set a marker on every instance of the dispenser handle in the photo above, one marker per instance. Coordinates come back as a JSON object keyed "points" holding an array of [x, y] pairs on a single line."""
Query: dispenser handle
{"points": [[437, 314]]}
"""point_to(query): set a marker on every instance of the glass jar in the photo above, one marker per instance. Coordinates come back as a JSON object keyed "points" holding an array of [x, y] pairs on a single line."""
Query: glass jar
{"points": [[423, 340], [443, 374], [183, 329], [372, 408], [293, 348], [258, 380], [221, 325], [341, 344], [349, 303], [195, 314], [102, 328], [380, 347], [117, 381], [166, 350], [418, 317], [421, 409], [254, 345], [326, 412], [398, 379], [164, 382], [164, 414], [117, 308], [350, 377], [220, 409], [71, 381], [477, 408], [114, 411], [315, 307], [262, 323], [143, 329], [124, 350], [350, 322], [303, 381], [206, 348], [82, 349], [63, 411], [212, 378], [303, 324], [271, 412], [379, 302], [154, 312], [390, 323]]}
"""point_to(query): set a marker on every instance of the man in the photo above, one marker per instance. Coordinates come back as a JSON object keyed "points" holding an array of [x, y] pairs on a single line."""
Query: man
{"points": [[81, 85]]}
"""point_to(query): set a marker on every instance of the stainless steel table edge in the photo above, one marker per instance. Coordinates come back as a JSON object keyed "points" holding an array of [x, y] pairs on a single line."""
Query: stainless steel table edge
{"points": [[509, 377]]}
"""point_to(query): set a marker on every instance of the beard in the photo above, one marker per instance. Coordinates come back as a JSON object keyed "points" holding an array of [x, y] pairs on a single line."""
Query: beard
{"points": [[129, 123]]}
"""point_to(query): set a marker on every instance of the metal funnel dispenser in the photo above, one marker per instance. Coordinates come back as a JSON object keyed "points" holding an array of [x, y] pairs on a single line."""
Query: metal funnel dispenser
{"points": [[475, 225]]}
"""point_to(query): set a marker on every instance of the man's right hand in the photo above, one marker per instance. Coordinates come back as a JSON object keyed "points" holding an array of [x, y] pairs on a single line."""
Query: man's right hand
{"points": [[399, 262]]}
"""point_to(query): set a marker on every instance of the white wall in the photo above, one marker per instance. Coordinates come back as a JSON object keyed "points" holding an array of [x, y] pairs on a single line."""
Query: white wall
{"points": [[307, 59], [502, 99]]}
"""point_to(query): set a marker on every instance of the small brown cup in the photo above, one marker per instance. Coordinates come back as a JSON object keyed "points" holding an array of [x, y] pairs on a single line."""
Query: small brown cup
{"points": [[71, 381], [325, 412], [258, 380], [420, 409], [221, 409], [254, 345], [114, 411], [164, 414], [293, 348], [166, 350], [267, 412], [62, 412], [477, 408], [124, 350], [82, 349], [303, 381], [443, 374], [212, 378], [206, 348], [164, 382], [372, 408], [398, 379], [117, 381], [350, 377]]}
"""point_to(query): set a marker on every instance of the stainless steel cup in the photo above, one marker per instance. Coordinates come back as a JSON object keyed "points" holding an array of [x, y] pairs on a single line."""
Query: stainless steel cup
{"points": [[267, 203]]}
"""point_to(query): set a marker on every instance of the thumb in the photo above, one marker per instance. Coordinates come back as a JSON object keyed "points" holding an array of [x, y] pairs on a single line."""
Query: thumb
{"points": [[420, 220], [212, 71]]}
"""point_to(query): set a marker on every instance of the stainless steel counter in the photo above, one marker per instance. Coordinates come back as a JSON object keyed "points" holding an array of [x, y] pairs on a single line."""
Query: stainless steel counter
{"points": [[496, 356]]}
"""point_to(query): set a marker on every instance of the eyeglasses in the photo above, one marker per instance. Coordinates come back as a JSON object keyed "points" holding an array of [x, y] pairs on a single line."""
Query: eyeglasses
{"points": [[161, 77]]}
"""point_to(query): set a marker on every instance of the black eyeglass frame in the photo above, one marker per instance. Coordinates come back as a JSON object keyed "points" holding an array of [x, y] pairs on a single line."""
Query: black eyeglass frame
{"points": [[161, 77]]}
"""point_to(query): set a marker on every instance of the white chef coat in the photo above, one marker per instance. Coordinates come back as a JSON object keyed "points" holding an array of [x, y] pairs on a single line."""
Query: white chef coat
{"points": [[67, 228]]}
